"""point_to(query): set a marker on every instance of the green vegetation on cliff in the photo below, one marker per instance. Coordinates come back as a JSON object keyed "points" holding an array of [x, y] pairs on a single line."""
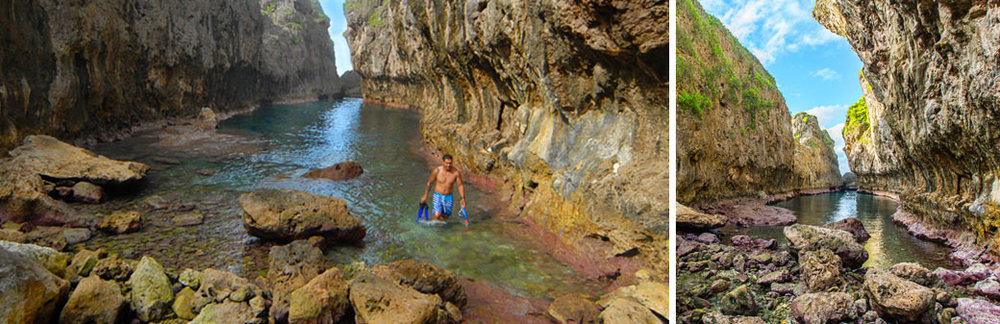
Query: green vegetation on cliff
{"points": [[721, 76], [857, 119], [693, 102]]}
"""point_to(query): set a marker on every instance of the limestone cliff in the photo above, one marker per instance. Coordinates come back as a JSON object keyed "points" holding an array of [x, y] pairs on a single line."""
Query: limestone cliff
{"points": [[735, 133], [567, 99], [70, 68], [815, 161], [927, 126]]}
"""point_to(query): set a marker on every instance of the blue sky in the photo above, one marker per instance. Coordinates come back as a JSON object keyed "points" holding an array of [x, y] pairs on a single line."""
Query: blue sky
{"points": [[815, 70], [338, 23]]}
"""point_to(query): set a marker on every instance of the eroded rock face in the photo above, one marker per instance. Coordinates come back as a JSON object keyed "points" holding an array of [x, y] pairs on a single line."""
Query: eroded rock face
{"points": [[572, 109], [287, 214], [738, 137], [815, 161], [926, 126], [142, 60]]}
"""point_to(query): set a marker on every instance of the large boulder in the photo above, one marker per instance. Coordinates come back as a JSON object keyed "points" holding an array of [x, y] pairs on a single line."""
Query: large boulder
{"points": [[377, 301], [896, 298], [340, 171], [290, 267], [93, 301], [152, 295], [228, 312], [425, 278], [811, 238], [691, 220], [286, 214], [29, 293], [823, 308], [571, 308], [820, 269], [851, 225], [323, 299], [24, 195]]}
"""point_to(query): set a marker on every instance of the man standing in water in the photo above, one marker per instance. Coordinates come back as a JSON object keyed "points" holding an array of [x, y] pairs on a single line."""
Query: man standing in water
{"points": [[444, 177]]}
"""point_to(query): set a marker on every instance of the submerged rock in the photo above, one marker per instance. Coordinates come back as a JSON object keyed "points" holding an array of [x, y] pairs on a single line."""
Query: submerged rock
{"points": [[93, 301], [286, 214], [851, 225], [812, 238], [30, 292], [340, 171]]}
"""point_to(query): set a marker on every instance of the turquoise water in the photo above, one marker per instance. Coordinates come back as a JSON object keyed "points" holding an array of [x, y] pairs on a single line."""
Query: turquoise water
{"points": [[889, 243], [272, 147]]}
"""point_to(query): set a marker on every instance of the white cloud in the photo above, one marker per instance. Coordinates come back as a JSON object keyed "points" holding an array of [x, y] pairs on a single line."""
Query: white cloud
{"points": [[838, 146], [829, 115], [769, 28], [825, 73]]}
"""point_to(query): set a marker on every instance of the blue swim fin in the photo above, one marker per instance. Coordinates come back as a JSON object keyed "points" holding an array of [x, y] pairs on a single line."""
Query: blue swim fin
{"points": [[423, 212], [465, 215]]}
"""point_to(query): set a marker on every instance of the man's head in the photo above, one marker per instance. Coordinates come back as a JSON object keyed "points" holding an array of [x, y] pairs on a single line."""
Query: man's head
{"points": [[446, 161]]}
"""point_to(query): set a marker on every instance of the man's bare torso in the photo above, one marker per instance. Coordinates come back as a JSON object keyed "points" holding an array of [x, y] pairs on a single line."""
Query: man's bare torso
{"points": [[445, 180]]}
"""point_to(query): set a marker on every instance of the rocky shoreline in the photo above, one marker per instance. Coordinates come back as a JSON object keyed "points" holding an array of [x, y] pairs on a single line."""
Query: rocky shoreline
{"points": [[819, 279], [268, 296], [747, 212]]}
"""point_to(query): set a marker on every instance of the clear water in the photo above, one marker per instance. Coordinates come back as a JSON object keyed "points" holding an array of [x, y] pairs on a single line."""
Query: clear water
{"points": [[273, 147], [889, 243]]}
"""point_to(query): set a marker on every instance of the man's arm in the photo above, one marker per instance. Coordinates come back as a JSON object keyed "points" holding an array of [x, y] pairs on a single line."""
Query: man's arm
{"points": [[461, 187], [429, 182]]}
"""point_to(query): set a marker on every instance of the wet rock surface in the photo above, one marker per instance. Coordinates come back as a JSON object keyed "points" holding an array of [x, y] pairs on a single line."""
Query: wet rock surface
{"points": [[286, 214], [340, 171]]}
